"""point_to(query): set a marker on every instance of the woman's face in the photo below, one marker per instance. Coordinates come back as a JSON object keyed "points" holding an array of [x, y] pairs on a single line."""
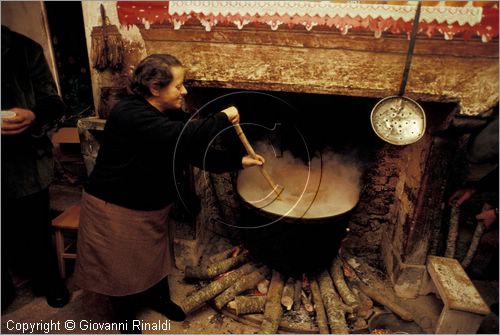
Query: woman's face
{"points": [[172, 95]]}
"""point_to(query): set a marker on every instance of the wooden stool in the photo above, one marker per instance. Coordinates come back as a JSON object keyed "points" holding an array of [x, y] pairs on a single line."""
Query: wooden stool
{"points": [[69, 220], [464, 308]]}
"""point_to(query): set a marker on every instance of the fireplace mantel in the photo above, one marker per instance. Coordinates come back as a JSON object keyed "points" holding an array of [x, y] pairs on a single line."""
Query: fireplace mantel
{"points": [[442, 71], [456, 53]]}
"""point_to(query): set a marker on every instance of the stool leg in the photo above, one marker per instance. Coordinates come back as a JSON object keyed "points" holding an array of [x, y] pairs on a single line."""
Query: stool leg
{"points": [[60, 252]]}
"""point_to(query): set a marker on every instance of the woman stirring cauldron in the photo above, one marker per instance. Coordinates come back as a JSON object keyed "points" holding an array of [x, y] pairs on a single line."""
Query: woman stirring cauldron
{"points": [[124, 244]]}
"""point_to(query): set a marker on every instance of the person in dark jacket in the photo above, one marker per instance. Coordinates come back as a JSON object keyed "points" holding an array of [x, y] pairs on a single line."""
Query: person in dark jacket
{"points": [[482, 153], [482, 186], [29, 91], [124, 242]]}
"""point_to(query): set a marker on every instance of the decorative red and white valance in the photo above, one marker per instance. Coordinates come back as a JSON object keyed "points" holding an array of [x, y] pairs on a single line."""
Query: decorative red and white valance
{"points": [[466, 21]]}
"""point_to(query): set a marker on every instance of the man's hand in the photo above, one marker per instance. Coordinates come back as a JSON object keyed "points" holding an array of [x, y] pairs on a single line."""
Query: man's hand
{"points": [[23, 120], [460, 196], [488, 217], [232, 114], [249, 161]]}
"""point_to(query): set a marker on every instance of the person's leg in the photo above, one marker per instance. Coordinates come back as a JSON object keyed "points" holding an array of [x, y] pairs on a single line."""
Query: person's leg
{"points": [[158, 298], [11, 251], [124, 310], [42, 257], [8, 289]]}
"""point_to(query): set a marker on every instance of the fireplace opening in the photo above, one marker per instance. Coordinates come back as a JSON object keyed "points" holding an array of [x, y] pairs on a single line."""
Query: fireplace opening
{"points": [[329, 134]]}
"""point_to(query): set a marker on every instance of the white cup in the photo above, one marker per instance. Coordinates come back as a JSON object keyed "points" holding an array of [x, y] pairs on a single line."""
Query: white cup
{"points": [[7, 114]]}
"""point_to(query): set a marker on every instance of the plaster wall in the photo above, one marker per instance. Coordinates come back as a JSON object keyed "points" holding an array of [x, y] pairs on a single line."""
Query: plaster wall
{"points": [[134, 46], [29, 18], [465, 73]]}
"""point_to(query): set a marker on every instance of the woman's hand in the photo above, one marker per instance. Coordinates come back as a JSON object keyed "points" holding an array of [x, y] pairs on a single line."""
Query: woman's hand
{"points": [[232, 114], [488, 217], [249, 161], [19, 123], [460, 196]]}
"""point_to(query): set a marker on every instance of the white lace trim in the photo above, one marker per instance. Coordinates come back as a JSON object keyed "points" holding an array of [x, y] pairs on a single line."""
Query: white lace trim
{"points": [[441, 14]]}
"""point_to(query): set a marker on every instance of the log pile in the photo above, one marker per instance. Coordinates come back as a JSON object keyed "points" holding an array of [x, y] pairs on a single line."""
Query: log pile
{"points": [[339, 299]]}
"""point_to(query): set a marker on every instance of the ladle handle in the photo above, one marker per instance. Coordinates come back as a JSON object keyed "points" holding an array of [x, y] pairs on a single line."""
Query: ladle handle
{"points": [[251, 152], [244, 140], [411, 46]]}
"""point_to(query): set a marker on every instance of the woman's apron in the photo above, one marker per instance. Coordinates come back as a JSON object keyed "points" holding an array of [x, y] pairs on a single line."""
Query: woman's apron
{"points": [[121, 251]]}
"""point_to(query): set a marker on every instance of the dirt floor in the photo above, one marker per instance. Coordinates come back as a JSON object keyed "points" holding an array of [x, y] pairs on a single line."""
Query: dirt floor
{"points": [[87, 308]]}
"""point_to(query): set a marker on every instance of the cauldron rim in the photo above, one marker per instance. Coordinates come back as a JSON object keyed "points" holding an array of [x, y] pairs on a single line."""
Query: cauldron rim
{"points": [[294, 219]]}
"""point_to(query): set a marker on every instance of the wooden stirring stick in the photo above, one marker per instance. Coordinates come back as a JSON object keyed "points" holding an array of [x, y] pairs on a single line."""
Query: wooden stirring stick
{"points": [[276, 188]]}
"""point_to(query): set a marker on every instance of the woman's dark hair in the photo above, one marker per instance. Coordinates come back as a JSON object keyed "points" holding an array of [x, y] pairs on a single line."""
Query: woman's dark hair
{"points": [[154, 69]]}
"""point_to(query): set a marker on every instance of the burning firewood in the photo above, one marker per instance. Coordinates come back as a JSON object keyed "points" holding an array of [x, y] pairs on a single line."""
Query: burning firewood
{"points": [[272, 310], [297, 289], [248, 304], [305, 283], [287, 296], [319, 308], [198, 298], [263, 286], [306, 302], [242, 284], [223, 255], [212, 270], [333, 305], [338, 279]]}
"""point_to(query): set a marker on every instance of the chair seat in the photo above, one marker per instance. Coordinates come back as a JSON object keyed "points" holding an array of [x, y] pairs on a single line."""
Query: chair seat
{"points": [[69, 219]]}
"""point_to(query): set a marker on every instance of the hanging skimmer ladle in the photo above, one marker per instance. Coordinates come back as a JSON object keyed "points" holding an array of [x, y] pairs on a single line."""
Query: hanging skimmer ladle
{"points": [[398, 119]]}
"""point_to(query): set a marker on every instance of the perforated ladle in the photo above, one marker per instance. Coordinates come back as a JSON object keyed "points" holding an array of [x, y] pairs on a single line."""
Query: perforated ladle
{"points": [[398, 119]]}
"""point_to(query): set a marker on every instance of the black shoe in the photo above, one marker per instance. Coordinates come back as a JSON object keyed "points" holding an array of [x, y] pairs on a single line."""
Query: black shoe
{"points": [[124, 310], [494, 308], [57, 296], [168, 308], [8, 297]]}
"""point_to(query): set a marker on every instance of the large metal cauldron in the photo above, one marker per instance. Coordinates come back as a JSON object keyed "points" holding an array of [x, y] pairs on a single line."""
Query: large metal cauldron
{"points": [[292, 241]]}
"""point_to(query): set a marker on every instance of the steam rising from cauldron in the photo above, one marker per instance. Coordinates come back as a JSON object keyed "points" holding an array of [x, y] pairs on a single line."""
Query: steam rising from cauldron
{"points": [[328, 186]]}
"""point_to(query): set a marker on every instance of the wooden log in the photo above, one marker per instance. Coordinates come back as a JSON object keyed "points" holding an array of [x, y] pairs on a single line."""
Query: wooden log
{"points": [[365, 309], [244, 283], [321, 319], [451, 242], [198, 298], [263, 286], [337, 275], [296, 294], [333, 305], [223, 255], [359, 326], [305, 284], [375, 289], [248, 304], [272, 310], [287, 296], [306, 302], [382, 299], [212, 270], [476, 237]]}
